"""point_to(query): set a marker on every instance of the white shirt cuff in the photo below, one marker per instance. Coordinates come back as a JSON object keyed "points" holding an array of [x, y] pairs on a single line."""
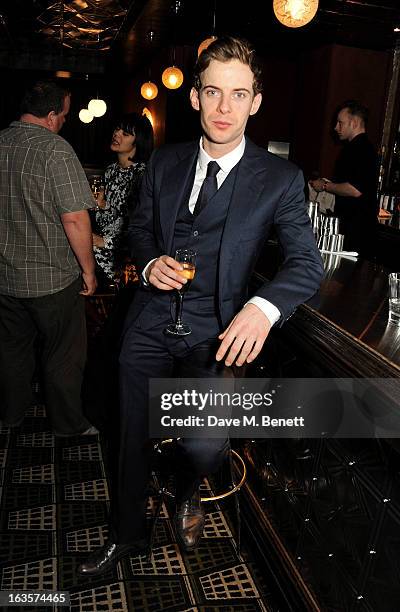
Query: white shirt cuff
{"points": [[271, 312], [144, 277]]}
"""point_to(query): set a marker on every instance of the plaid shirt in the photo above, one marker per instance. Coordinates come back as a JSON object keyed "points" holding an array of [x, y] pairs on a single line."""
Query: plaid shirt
{"points": [[40, 179]]}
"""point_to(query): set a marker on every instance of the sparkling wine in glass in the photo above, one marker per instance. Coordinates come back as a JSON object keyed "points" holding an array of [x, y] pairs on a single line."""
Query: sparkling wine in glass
{"points": [[96, 185], [187, 258]]}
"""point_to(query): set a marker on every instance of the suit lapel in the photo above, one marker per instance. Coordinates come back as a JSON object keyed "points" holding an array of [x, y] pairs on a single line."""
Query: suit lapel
{"points": [[173, 189]]}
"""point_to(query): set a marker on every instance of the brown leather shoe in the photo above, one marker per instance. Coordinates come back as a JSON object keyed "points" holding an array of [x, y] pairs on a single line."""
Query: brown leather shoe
{"points": [[106, 557], [189, 522]]}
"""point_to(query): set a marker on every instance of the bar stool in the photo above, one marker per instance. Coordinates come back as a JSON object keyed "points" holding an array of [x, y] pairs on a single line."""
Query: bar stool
{"points": [[163, 493]]}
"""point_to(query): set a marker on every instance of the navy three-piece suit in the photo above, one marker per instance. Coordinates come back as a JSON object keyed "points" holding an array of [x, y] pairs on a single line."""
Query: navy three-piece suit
{"points": [[260, 192]]}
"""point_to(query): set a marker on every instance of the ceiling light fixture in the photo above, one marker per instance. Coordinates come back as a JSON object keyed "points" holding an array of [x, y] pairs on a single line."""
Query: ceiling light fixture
{"points": [[295, 13], [85, 115], [63, 74], [149, 90], [203, 45], [172, 77], [206, 43], [97, 107]]}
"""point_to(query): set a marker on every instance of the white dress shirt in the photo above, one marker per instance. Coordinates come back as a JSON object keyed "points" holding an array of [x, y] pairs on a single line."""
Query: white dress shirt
{"points": [[226, 163]]}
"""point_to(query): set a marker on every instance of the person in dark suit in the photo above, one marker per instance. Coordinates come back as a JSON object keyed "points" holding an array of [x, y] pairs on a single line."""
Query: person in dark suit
{"points": [[220, 197]]}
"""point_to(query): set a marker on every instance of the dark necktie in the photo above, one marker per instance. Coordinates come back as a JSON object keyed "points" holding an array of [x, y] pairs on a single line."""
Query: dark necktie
{"points": [[208, 188]]}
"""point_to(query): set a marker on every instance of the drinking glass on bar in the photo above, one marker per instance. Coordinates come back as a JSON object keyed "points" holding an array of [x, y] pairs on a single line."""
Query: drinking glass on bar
{"points": [[394, 297], [187, 258]]}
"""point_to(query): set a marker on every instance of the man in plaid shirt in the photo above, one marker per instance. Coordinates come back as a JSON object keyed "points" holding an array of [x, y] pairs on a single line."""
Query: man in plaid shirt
{"points": [[46, 262]]}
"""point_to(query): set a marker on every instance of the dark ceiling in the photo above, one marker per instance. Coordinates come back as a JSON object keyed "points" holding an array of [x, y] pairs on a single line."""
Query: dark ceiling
{"points": [[91, 35]]}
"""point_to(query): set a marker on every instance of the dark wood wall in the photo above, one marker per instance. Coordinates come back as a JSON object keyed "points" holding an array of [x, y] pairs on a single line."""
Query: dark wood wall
{"points": [[331, 75], [301, 94]]}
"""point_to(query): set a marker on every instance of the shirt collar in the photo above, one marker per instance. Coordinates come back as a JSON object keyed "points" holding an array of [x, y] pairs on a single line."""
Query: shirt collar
{"points": [[226, 162], [28, 125]]}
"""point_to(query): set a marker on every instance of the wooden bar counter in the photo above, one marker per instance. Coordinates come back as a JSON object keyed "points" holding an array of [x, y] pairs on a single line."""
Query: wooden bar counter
{"points": [[326, 512]]}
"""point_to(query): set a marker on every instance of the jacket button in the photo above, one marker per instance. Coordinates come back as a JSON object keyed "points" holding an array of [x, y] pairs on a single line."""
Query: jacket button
{"points": [[195, 233]]}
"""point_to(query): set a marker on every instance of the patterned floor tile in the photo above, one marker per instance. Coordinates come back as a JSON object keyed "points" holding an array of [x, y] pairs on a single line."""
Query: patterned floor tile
{"points": [[88, 491], [109, 597], [158, 595], [83, 452], [74, 471], [44, 439], [232, 583], [40, 574], [216, 526], [86, 540], [211, 554], [165, 560], [35, 474], [25, 456], [54, 505], [43, 518], [21, 496], [82, 514], [25, 546]]}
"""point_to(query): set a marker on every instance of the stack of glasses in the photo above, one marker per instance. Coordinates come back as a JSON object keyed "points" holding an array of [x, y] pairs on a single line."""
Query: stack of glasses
{"points": [[329, 238], [326, 232]]}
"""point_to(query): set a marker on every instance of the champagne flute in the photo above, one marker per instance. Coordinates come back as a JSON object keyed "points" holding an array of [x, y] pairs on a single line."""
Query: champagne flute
{"points": [[96, 185], [187, 258]]}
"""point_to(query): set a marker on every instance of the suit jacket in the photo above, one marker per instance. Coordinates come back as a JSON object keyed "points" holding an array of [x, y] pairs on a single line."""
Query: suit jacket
{"points": [[268, 192]]}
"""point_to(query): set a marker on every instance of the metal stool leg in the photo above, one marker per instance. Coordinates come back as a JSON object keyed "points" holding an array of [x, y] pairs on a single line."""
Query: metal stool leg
{"points": [[160, 494], [237, 505]]}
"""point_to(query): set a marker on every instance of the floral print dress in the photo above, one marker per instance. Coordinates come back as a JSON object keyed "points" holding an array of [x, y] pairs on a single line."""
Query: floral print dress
{"points": [[112, 221]]}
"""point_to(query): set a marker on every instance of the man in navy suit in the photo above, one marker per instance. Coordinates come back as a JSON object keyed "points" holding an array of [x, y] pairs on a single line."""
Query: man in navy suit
{"points": [[253, 191]]}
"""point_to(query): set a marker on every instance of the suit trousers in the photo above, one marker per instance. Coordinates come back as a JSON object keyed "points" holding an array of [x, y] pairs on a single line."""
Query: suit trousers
{"points": [[54, 327], [147, 352]]}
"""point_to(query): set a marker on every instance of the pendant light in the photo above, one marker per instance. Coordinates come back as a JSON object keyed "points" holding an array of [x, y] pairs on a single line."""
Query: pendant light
{"points": [[206, 43], [85, 115], [203, 45], [295, 13], [172, 77], [97, 107], [149, 90]]}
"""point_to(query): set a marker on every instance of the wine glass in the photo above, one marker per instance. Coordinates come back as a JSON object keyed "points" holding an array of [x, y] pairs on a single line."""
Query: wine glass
{"points": [[96, 185], [187, 258]]}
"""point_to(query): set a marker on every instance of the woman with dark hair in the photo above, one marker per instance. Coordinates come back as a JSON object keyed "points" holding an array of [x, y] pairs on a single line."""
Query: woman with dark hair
{"points": [[132, 141]]}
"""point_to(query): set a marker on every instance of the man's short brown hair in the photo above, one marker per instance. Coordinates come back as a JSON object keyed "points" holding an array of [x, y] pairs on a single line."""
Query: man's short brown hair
{"points": [[42, 98], [356, 109], [225, 49]]}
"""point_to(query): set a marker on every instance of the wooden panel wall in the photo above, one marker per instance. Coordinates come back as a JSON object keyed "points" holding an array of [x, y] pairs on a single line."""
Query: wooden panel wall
{"points": [[331, 75]]}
